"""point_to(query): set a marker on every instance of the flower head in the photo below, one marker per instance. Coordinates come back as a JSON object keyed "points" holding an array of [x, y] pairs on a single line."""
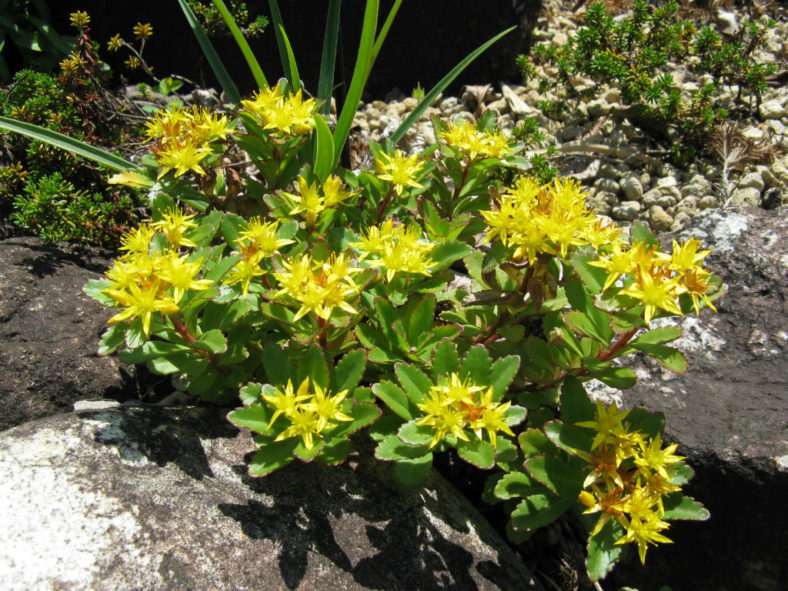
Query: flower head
{"points": [[400, 169], [79, 20], [142, 30]]}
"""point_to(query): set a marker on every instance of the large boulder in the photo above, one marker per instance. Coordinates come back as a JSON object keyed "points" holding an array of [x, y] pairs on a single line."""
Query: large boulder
{"points": [[140, 497], [729, 412], [49, 332]]}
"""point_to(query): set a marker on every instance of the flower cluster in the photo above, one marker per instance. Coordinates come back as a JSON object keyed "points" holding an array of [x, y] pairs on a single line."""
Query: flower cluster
{"points": [[283, 115], [458, 405], [313, 199], [398, 247], [255, 244], [146, 280], [309, 413], [475, 143], [183, 138], [400, 170], [630, 476], [546, 219], [319, 287], [658, 279]]}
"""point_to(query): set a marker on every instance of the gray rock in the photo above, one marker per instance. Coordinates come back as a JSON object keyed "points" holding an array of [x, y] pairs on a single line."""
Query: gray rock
{"points": [[751, 180], [608, 185], [708, 201], [598, 108], [50, 330], [632, 187], [680, 221], [626, 210], [603, 203], [516, 105], [748, 196], [659, 219], [692, 190], [773, 110], [155, 499]]}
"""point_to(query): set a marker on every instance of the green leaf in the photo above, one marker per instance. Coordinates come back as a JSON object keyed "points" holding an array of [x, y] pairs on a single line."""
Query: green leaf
{"points": [[113, 338], [135, 336], [534, 442], [516, 484], [445, 360], [250, 393], [308, 454], [224, 316], [324, 149], [671, 358], [678, 506], [212, 341], [414, 434], [347, 373], [363, 413], [430, 97], [418, 318], [602, 551], [477, 366], [364, 59], [658, 336], [503, 372], [69, 144], [568, 437], [409, 473], [240, 40], [277, 365], [232, 225], [395, 398], [618, 377], [313, 366], [291, 67], [593, 277], [576, 406], [254, 417], [271, 456], [391, 448], [446, 253], [680, 474], [640, 233], [595, 322], [538, 510], [414, 381], [478, 452], [556, 475], [335, 451], [211, 56], [328, 58]]}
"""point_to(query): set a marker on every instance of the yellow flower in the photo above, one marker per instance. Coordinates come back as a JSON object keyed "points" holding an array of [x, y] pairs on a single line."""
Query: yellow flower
{"points": [[289, 115], [309, 414], [142, 302], [183, 158], [207, 126], [654, 458], [319, 287], [137, 240], [696, 283], [115, 43], [180, 274], [174, 223], [246, 269], [132, 62], [399, 248], [262, 237], [644, 523], [475, 143], [142, 30], [79, 20], [608, 424], [333, 191], [686, 257], [400, 169], [309, 201], [656, 290]]}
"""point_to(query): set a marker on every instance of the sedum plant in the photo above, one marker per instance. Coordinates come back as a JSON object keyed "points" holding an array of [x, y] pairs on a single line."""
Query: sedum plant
{"points": [[425, 304]]}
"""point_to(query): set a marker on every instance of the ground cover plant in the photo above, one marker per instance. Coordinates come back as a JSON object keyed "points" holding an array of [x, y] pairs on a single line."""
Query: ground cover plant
{"points": [[633, 52], [329, 302], [51, 192]]}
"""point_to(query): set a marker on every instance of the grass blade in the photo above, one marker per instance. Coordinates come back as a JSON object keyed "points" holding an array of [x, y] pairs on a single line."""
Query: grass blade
{"points": [[324, 150], [64, 142], [328, 59], [254, 66], [285, 51], [384, 31], [292, 71], [359, 80], [227, 84], [442, 85]]}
